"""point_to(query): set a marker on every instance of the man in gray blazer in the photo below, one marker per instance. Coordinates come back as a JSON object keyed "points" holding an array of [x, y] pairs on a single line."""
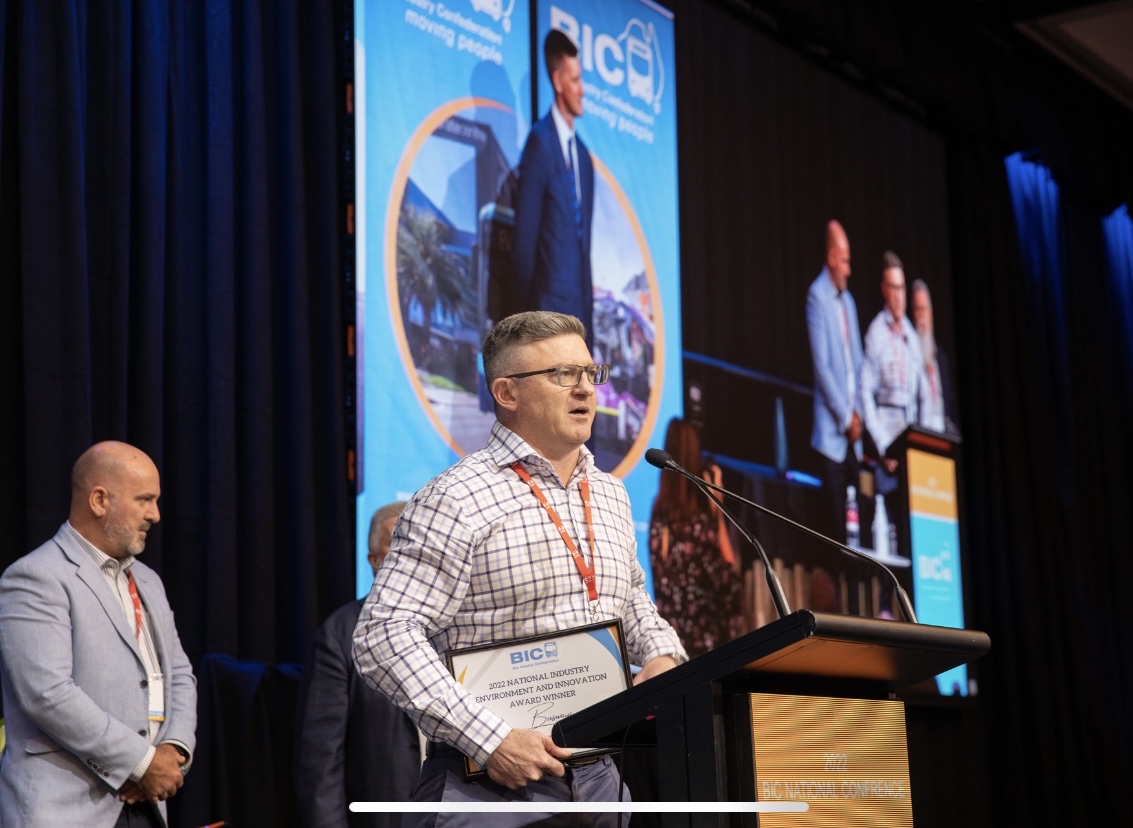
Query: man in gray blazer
{"points": [[100, 701], [836, 349]]}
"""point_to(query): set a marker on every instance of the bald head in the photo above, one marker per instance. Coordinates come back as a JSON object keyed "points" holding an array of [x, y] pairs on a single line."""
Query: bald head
{"points": [[837, 255], [381, 532], [922, 307], [114, 493], [104, 461], [922, 320]]}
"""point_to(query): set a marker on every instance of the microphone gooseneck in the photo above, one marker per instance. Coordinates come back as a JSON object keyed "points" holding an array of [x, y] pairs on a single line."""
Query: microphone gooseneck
{"points": [[663, 460]]}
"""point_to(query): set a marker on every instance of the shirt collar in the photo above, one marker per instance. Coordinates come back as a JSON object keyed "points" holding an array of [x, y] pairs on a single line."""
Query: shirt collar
{"points": [[506, 447], [101, 559], [830, 281], [564, 132], [891, 320]]}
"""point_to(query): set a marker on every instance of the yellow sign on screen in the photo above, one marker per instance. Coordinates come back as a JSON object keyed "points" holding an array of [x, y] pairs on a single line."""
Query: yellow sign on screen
{"points": [[932, 484], [846, 758]]}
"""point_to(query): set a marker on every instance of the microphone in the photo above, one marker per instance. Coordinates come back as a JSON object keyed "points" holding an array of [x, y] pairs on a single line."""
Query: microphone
{"points": [[663, 460]]}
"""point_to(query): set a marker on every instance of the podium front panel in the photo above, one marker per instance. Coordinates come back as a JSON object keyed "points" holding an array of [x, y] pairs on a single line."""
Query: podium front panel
{"points": [[846, 758]]}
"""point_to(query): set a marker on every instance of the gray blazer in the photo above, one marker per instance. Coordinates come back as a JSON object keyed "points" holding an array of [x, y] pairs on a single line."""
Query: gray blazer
{"points": [[832, 401], [75, 697]]}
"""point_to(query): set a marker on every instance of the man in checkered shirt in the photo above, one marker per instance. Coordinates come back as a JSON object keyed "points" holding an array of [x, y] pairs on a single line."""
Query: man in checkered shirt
{"points": [[477, 560], [894, 388]]}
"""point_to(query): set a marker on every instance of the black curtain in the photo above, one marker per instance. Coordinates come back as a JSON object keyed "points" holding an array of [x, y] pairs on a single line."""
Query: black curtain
{"points": [[172, 228], [171, 205], [1048, 494], [1046, 397]]}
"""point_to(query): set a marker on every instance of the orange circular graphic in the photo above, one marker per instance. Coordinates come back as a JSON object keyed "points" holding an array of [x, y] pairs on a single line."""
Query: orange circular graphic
{"points": [[438, 273]]}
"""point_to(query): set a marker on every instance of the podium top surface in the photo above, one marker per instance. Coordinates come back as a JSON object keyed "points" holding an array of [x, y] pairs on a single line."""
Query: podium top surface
{"points": [[806, 648], [891, 654]]}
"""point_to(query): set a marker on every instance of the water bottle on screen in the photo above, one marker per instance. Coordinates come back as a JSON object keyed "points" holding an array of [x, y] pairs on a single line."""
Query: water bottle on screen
{"points": [[880, 528], [853, 526]]}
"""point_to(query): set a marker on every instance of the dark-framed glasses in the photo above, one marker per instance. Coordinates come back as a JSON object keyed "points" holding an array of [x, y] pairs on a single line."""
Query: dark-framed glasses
{"points": [[568, 376]]}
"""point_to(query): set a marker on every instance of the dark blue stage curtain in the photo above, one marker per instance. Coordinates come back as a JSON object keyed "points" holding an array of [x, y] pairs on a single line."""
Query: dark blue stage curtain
{"points": [[1118, 230], [1034, 196], [170, 220], [1039, 224], [1062, 451], [169, 250]]}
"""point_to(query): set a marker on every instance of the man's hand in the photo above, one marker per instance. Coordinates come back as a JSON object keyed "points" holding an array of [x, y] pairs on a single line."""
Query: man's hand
{"points": [[130, 793], [525, 756], [854, 432], [653, 667], [163, 776]]}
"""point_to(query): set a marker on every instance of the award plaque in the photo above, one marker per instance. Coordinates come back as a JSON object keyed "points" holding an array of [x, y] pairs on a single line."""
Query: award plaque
{"points": [[531, 683]]}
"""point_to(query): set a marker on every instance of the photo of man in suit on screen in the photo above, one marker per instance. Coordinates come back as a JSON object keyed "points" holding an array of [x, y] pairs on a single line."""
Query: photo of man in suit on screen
{"points": [[554, 204]]}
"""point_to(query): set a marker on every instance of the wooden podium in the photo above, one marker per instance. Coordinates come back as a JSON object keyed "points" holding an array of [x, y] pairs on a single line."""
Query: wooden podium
{"points": [[913, 448], [804, 708]]}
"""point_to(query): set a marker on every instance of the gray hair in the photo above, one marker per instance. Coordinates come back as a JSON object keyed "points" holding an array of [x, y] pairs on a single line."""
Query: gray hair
{"points": [[921, 284], [390, 510], [521, 329]]}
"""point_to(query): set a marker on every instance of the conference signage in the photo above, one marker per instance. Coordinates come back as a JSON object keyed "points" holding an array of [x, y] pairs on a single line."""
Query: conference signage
{"points": [[845, 758], [444, 105], [534, 682], [935, 529]]}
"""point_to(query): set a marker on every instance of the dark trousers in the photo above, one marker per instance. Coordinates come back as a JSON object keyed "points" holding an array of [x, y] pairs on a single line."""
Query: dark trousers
{"points": [[139, 815], [837, 475], [442, 780]]}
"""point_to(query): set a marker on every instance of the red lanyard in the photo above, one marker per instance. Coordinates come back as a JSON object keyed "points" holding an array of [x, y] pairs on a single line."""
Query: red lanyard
{"points": [[137, 604], [587, 572]]}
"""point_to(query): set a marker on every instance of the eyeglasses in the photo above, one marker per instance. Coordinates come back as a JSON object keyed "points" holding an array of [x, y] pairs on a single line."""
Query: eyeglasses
{"points": [[568, 376]]}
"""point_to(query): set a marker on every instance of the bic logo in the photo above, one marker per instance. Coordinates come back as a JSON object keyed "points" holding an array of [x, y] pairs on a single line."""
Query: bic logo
{"points": [[632, 58], [495, 10], [935, 567], [549, 651]]}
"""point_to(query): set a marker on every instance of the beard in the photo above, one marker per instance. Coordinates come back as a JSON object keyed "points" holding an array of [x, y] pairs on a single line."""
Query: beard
{"points": [[123, 538], [928, 346]]}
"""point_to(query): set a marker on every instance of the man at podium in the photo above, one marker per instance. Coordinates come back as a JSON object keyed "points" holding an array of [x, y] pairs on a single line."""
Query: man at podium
{"points": [[894, 390], [525, 537]]}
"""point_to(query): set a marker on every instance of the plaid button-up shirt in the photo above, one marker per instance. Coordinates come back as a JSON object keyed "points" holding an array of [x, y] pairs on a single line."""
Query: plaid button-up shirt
{"points": [[476, 560]]}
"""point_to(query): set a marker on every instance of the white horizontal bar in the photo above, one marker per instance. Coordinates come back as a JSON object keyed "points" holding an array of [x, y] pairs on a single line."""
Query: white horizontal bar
{"points": [[578, 807]]}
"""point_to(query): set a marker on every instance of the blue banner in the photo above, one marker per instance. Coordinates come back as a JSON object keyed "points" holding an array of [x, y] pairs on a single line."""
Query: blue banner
{"points": [[443, 111], [629, 123]]}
